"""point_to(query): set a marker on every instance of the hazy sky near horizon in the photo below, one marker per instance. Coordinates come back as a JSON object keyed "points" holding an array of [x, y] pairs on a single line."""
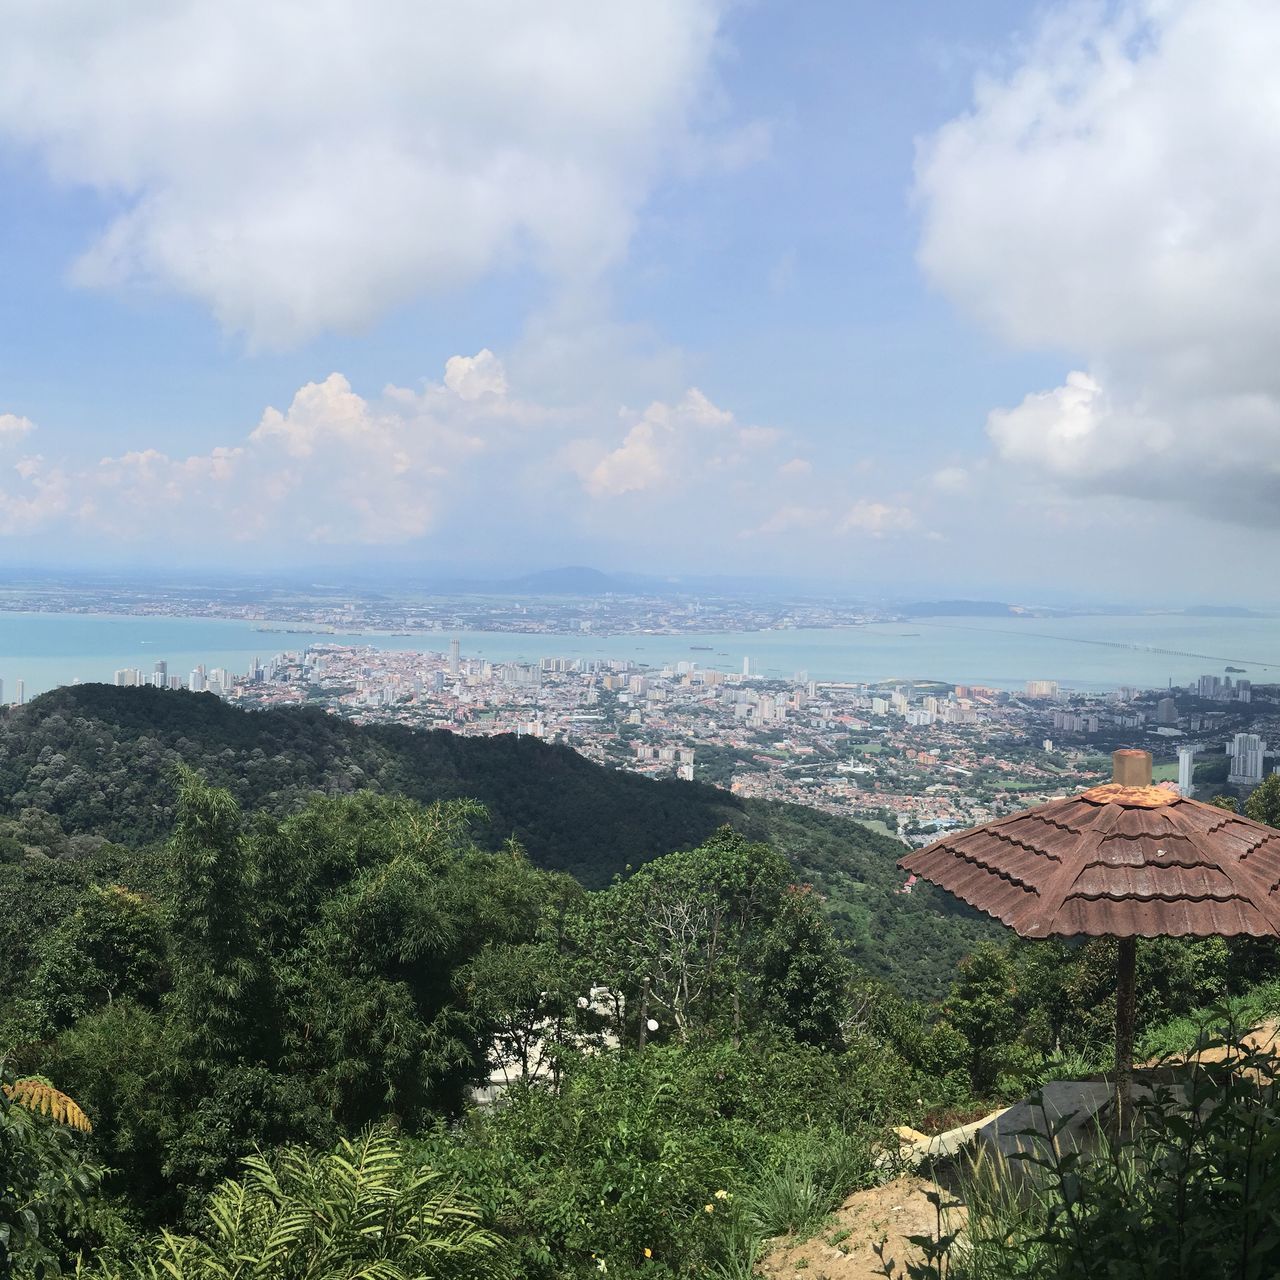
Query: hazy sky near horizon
{"points": [[975, 297]]}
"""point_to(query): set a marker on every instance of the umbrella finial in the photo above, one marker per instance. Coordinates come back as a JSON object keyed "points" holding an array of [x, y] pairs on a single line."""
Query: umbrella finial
{"points": [[1131, 768]]}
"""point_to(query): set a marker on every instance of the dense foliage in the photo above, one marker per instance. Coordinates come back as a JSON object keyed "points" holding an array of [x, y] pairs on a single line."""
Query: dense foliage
{"points": [[91, 763], [278, 985], [1192, 1192], [352, 1032]]}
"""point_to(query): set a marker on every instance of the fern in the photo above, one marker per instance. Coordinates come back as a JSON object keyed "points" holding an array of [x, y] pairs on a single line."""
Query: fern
{"points": [[364, 1211], [39, 1095]]}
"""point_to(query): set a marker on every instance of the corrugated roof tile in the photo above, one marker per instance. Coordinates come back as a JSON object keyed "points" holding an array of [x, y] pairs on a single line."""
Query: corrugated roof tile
{"points": [[1096, 865]]}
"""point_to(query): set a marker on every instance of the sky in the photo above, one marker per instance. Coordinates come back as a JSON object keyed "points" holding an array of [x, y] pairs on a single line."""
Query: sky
{"points": [[921, 297]]}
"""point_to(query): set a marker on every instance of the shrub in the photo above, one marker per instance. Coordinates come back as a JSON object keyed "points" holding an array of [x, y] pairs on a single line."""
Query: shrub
{"points": [[1192, 1194], [367, 1208], [631, 1153]]}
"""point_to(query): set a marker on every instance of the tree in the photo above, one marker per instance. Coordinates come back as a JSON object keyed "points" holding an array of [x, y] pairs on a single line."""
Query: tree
{"points": [[708, 939], [981, 1007], [803, 979], [1264, 804], [365, 1209], [112, 947], [370, 954], [220, 994], [526, 995], [45, 1180]]}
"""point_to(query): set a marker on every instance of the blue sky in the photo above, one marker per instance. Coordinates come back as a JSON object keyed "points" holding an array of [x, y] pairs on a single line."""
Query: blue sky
{"points": [[921, 296]]}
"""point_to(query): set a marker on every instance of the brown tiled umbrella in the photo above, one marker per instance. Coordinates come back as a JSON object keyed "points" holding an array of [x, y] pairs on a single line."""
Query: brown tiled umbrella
{"points": [[1125, 860]]}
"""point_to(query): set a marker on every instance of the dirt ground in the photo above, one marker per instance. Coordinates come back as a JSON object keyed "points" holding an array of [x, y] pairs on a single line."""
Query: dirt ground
{"points": [[845, 1248]]}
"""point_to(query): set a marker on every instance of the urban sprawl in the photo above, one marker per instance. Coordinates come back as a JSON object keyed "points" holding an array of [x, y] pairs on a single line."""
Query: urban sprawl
{"points": [[912, 757]]}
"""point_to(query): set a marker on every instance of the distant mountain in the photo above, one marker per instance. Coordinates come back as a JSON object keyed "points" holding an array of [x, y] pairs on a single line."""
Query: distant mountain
{"points": [[98, 760], [1221, 611], [579, 580], [574, 580], [959, 609]]}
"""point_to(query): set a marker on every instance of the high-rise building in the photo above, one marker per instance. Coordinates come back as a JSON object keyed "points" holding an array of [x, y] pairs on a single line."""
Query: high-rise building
{"points": [[1247, 752], [1166, 711], [1186, 769], [746, 666], [455, 653], [162, 670], [1042, 688], [22, 693]]}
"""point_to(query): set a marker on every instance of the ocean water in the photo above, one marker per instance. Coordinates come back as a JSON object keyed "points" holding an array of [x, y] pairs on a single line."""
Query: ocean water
{"points": [[1088, 653]]}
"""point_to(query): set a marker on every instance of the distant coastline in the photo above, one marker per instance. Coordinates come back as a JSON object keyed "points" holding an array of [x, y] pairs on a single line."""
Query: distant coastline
{"points": [[1088, 653]]}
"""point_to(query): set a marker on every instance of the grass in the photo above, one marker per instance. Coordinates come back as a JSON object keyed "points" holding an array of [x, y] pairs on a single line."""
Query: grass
{"points": [[1164, 772], [1191, 1193], [876, 825], [1181, 1036], [797, 1195]]}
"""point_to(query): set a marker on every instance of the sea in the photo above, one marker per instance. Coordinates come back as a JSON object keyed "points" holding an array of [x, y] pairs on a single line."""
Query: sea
{"points": [[1088, 653]]}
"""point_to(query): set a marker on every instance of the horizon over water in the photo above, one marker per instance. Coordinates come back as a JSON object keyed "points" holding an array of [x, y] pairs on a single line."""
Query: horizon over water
{"points": [[1086, 653]]}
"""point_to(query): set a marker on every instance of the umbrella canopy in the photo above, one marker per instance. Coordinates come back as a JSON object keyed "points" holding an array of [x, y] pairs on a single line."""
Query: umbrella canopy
{"points": [[1125, 860]]}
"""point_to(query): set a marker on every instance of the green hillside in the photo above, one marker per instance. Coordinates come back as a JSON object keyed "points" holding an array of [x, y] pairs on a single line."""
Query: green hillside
{"points": [[98, 760]]}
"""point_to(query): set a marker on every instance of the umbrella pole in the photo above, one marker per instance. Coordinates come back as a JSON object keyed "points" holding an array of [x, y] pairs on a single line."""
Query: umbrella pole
{"points": [[1126, 958]]}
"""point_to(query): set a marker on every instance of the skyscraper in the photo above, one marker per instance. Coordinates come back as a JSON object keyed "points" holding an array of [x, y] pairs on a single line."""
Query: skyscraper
{"points": [[22, 693], [1186, 769], [1247, 751], [455, 653], [1166, 711]]}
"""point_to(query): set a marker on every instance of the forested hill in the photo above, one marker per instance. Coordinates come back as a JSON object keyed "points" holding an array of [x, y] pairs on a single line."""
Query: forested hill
{"points": [[95, 761]]}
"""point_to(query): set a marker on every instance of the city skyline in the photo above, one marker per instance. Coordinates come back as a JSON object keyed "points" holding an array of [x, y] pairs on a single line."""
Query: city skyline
{"points": [[926, 297]]}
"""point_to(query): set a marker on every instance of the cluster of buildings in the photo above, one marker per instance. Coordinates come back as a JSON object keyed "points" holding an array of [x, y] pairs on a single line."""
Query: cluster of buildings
{"points": [[910, 757], [201, 680]]}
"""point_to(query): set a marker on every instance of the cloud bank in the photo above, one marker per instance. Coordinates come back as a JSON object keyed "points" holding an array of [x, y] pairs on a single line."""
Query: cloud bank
{"points": [[465, 458], [301, 167], [1113, 195]]}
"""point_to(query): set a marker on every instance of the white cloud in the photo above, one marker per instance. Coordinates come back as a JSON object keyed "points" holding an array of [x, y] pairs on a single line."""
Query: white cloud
{"points": [[876, 518], [1113, 195], [300, 167], [39, 497], [461, 464], [950, 479], [669, 445], [792, 517], [13, 428], [474, 376], [334, 468]]}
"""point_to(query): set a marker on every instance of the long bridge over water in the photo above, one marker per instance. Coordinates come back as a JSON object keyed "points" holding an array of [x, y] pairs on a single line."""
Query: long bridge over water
{"points": [[1110, 644]]}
